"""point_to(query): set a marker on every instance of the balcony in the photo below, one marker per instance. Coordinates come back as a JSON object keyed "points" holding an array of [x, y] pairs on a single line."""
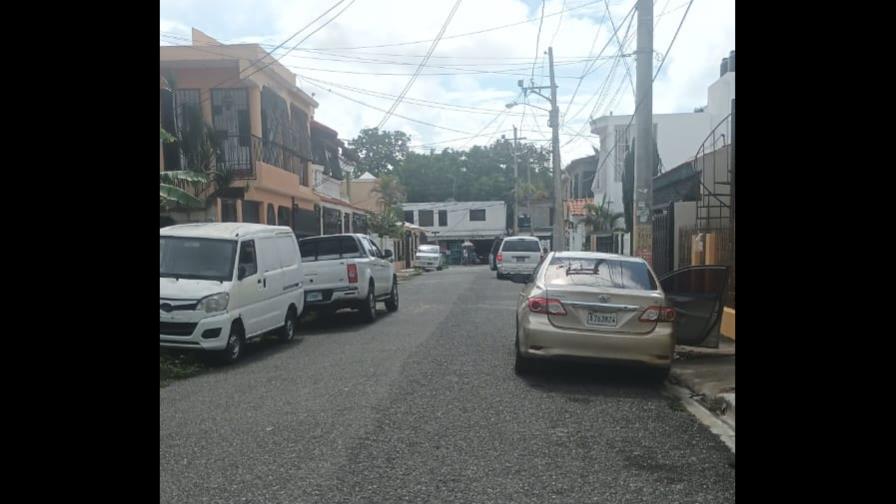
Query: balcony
{"points": [[240, 154], [327, 185]]}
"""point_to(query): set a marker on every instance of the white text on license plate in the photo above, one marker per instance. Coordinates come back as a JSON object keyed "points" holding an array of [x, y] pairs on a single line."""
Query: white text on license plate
{"points": [[604, 319], [520, 259], [314, 296]]}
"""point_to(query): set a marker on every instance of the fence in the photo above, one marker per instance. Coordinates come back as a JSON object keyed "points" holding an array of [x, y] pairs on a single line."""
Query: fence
{"points": [[709, 246]]}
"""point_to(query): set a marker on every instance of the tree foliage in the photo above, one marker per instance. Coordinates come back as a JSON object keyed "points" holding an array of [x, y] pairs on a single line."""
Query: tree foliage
{"points": [[379, 152]]}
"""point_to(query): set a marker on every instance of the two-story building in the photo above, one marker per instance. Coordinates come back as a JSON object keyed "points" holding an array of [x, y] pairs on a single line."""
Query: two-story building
{"points": [[451, 223], [260, 123], [678, 137], [331, 176]]}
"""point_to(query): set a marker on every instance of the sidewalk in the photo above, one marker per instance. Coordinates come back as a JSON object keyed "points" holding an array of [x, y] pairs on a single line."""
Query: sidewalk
{"points": [[404, 274], [709, 374]]}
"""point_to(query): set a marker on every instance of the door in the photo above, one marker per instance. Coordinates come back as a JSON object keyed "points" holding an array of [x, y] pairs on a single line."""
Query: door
{"points": [[272, 282], [379, 268], [291, 272], [248, 291], [696, 293]]}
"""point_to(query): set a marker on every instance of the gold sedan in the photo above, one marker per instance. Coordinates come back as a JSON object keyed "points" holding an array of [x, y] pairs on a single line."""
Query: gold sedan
{"points": [[594, 306]]}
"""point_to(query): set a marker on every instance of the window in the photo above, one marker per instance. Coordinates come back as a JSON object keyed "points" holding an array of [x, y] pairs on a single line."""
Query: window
{"points": [[346, 222], [376, 250], [248, 263], [329, 248], [477, 215], [443, 218], [196, 258], [286, 249], [228, 210], [590, 272], [620, 150], [521, 246], [272, 217], [282, 216], [252, 211], [409, 216], [426, 218]]}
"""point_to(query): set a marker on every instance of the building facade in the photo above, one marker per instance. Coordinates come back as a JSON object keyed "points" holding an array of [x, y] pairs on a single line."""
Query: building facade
{"points": [[450, 224]]}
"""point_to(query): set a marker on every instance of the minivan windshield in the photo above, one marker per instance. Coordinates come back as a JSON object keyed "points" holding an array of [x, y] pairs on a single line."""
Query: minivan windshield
{"points": [[592, 272], [196, 258], [521, 246]]}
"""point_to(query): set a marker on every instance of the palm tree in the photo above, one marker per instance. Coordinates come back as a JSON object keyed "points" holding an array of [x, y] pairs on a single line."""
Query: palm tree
{"points": [[600, 218], [174, 186]]}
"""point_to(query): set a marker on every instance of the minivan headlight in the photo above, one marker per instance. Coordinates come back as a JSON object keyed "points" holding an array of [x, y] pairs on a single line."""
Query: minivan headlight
{"points": [[214, 303]]}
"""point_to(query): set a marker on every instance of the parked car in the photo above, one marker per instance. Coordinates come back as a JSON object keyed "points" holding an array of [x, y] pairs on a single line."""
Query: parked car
{"points": [[428, 257], [518, 255], [348, 271], [223, 284], [496, 245], [591, 305]]}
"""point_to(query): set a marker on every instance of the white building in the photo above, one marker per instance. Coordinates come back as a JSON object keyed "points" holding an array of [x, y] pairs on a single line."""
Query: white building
{"points": [[450, 223], [678, 137]]}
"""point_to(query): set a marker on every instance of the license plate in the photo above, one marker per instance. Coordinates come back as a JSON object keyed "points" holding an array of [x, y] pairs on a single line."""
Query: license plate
{"points": [[602, 319], [520, 259], [314, 296]]}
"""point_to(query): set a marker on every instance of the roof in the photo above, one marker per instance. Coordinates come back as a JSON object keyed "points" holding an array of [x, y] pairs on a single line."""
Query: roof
{"points": [[453, 204], [597, 255], [577, 206], [366, 176], [512, 238], [336, 201], [219, 230]]}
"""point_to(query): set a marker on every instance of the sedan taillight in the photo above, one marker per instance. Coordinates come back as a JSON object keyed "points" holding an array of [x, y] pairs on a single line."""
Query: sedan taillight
{"points": [[658, 314], [352, 271], [548, 306]]}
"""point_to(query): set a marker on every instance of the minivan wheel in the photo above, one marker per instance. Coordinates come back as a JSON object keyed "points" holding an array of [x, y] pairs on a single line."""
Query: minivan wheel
{"points": [[288, 331], [368, 308], [235, 343], [392, 302]]}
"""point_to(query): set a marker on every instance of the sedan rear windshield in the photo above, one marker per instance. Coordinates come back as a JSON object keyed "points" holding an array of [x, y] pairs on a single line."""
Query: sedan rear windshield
{"points": [[521, 246], [428, 249], [591, 272], [329, 248]]}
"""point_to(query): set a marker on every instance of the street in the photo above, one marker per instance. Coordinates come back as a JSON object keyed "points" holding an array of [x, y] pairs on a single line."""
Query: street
{"points": [[423, 406]]}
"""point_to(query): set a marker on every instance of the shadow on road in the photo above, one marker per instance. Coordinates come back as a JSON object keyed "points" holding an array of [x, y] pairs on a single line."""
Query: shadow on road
{"points": [[580, 379]]}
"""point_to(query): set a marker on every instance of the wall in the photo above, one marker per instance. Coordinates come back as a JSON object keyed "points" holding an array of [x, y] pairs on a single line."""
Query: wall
{"points": [[721, 92], [459, 225], [678, 138], [363, 195]]}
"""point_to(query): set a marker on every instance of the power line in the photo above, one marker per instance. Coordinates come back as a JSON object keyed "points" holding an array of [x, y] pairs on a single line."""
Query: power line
{"points": [[374, 107], [638, 104], [538, 40], [621, 45], [559, 22], [432, 48]]}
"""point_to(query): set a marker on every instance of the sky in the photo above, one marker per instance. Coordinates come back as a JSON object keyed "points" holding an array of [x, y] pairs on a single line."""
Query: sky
{"points": [[460, 98]]}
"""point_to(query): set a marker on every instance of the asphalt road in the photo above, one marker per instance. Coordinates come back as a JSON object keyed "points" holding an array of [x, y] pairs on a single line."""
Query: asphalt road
{"points": [[423, 406]]}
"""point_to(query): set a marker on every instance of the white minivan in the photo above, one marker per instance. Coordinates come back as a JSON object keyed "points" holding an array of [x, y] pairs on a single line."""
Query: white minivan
{"points": [[518, 255], [223, 284]]}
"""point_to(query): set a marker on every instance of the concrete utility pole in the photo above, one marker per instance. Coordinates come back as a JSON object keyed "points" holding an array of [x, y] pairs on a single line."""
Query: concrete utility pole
{"points": [[516, 190], [558, 234], [642, 236]]}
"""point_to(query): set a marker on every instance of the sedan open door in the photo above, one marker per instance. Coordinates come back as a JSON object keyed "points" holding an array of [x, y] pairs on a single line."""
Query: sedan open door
{"points": [[697, 292]]}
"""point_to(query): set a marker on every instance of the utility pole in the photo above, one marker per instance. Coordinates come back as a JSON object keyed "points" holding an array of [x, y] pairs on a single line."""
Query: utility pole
{"points": [[642, 236], [557, 223], [516, 190], [559, 231]]}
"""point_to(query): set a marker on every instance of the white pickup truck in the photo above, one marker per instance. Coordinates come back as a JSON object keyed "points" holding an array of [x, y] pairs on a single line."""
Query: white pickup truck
{"points": [[347, 271]]}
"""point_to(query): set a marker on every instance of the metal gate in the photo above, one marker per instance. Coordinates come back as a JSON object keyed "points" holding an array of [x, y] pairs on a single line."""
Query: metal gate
{"points": [[664, 240]]}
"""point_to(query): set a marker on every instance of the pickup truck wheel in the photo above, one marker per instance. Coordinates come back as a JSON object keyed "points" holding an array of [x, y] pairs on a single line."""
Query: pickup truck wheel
{"points": [[392, 302], [368, 308]]}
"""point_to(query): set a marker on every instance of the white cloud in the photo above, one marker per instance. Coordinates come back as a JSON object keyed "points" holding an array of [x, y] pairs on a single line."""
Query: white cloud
{"points": [[707, 36]]}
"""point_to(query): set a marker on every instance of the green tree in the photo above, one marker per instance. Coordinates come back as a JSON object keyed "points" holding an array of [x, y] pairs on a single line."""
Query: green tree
{"points": [[380, 152], [390, 195], [175, 186], [600, 218]]}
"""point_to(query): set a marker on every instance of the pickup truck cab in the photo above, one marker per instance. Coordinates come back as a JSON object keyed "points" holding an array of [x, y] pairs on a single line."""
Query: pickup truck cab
{"points": [[348, 271]]}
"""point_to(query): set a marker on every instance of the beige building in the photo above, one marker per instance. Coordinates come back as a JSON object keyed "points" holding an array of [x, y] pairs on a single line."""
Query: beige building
{"points": [[261, 121]]}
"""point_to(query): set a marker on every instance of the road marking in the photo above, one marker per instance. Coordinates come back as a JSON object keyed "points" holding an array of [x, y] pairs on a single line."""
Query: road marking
{"points": [[716, 426]]}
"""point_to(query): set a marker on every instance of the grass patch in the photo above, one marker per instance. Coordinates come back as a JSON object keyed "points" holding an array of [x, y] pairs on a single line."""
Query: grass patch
{"points": [[175, 365]]}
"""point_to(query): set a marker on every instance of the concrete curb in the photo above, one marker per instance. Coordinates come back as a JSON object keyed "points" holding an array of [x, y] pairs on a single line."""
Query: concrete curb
{"points": [[716, 425]]}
